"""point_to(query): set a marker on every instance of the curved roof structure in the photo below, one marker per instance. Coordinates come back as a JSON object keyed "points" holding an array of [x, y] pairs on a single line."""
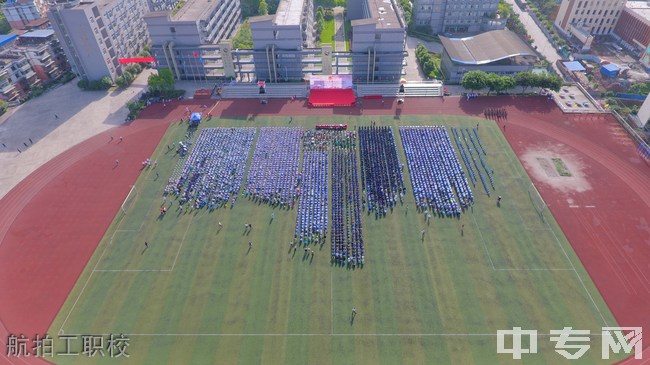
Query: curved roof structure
{"points": [[486, 47]]}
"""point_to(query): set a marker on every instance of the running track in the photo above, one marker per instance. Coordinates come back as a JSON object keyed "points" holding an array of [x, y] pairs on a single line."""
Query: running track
{"points": [[51, 223]]}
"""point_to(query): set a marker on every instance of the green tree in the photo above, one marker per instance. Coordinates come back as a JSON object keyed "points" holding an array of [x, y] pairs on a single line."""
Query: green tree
{"points": [[120, 82], [474, 80], [504, 9], [163, 81], [5, 28], [493, 82], [244, 38], [3, 106], [640, 89], [526, 79], [551, 82], [263, 8]]}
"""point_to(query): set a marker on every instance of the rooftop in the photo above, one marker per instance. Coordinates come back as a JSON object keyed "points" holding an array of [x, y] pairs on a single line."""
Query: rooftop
{"points": [[486, 47], [383, 11], [642, 8], [574, 66], [6, 38], [38, 33], [289, 12], [194, 10]]}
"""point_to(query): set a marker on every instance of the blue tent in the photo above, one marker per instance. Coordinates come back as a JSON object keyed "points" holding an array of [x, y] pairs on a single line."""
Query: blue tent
{"points": [[195, 119], [610, 70], [574, 66]]}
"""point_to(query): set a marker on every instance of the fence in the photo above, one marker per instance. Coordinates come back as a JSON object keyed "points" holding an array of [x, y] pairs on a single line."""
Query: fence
{"points": [[635, 136]]}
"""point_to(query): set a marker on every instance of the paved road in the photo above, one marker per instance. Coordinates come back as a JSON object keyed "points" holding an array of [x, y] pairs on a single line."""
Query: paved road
{"points": [[56, 121], [339, 29], [539, 38], [413, 71]]}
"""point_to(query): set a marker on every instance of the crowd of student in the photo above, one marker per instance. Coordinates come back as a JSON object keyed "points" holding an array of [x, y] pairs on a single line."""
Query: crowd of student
{"points": [[312, 219], [322, 139], [381, 171], [435, 171], [347, 237], [213, 172], [273, 173]]}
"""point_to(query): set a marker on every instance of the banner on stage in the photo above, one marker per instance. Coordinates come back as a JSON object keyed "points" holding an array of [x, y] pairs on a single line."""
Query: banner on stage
{"points": [[330, 82]]}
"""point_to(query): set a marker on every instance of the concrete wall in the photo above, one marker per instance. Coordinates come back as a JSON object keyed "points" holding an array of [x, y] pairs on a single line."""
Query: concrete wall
{"points": [[366, 36]]}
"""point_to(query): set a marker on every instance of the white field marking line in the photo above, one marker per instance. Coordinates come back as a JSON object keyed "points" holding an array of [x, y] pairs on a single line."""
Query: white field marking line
{"points": [[536, 269], [483, 241], [91, 275], [215, 105], [132, 270], [590, 206], [331, 302], [512, 164], [539, 334], [574, 206], [182, 242], [574, 269], [110, 243], [567, 257], [515, 269]]}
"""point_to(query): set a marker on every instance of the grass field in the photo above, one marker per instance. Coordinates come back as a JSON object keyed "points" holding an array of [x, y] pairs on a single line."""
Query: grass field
{"points": [[197, 296], [327, 34]]}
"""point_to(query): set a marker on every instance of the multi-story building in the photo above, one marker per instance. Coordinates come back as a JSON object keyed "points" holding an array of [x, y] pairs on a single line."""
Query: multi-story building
{"points": [[282, 45], [633, 26], [378, 41], [457, 16], [95, 34], [178, 36], [20, 12], [594, 17], [277, 40], [16, 76], [42, 49]]}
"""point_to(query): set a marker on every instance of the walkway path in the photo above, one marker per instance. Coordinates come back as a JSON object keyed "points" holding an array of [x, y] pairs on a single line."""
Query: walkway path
{"points": [[56, 121], [539, 38], [339, 29]]}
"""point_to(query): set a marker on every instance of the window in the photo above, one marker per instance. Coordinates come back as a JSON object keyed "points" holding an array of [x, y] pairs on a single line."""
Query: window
{"points": [[172, 29], [377, 37]]}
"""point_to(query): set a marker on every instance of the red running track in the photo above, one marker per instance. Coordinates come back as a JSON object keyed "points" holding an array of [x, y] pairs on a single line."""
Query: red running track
{"points": [[53, 220]]}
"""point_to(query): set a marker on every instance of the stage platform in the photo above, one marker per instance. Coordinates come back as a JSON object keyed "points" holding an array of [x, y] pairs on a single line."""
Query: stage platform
{"points": [[327, 98]]}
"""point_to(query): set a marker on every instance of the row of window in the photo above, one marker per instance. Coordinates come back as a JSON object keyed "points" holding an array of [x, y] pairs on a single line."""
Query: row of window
{"points": [[600, 12], [586, 3], [592, 20]]}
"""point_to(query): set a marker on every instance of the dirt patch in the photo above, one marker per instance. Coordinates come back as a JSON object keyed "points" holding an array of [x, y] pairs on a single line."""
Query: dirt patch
{"points": [[540, 161], [561, 167], [546, 166]]}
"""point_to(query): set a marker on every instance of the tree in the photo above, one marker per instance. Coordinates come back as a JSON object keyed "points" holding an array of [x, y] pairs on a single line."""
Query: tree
{"points": [[263, 9], [163, 81], [3, 106], [554, 82], [500, 83], [526, 79], [474, 80], [5, 28], [244, 38]]}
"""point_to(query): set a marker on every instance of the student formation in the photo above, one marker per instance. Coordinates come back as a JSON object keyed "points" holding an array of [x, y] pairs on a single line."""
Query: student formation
{"points": [[371, 181]]}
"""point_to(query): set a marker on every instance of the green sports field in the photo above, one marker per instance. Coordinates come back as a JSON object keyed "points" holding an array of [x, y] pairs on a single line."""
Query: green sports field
{"points": [[197, 295]]}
